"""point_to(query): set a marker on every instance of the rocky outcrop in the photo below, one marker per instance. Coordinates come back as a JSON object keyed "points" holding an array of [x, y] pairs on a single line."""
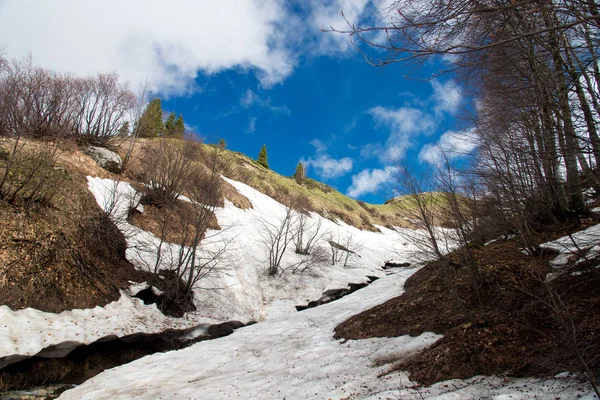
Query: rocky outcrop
{"points": [[107, 159], [333, 294]]}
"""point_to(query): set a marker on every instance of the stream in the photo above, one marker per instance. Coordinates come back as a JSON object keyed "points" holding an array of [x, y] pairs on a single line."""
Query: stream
{"points": [[47, 374]]}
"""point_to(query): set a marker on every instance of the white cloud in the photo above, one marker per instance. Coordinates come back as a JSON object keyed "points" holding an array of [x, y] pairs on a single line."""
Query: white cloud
{"points": [[446, 96], [328, 167], [250, 99], [324, 164], [328, 14], [370, 181], [319, 145], [404, 123], [251, 125], [451, 144], [142, 39]]}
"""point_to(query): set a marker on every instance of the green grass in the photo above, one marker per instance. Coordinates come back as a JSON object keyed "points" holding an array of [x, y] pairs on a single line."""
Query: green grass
{"points": [[316, 196]]}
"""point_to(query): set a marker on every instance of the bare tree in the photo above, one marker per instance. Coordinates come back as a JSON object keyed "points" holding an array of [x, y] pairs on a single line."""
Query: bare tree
{"points": [[420, 207], [308, 232], [185, 245], [136, 114], [342, 248], [104, 104], [276, 236], [168, 169]]}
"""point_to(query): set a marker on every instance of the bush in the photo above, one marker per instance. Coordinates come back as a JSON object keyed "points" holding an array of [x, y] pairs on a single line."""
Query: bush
{"points": [[28, 175]]}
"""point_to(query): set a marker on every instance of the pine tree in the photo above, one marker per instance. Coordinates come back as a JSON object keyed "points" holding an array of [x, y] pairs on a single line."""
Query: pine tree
{"points": [[124, 129], [150, 123], [262, 157], [170, 125], [300, 173], [179, 128]]}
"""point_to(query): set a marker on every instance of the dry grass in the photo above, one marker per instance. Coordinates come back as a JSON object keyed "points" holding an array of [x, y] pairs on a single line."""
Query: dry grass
{"points": [[322, 198], [65, 254]]}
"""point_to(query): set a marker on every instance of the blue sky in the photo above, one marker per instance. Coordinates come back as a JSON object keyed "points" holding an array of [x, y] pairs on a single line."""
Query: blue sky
{"points": [[254, 73]]}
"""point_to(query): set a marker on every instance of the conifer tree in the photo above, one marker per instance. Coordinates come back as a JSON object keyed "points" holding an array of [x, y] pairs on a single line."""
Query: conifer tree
{"points": [[300, 173], [170, 125], [262, 157], [179, 127], [124, 129], [150, 123]]}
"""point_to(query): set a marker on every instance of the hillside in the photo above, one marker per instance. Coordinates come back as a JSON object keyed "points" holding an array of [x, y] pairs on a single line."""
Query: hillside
{"points": [[72, 239], [102, 239]]}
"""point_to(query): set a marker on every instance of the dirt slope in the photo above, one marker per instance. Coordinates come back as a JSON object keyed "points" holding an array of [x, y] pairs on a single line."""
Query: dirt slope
{"points": [[516, 330]]}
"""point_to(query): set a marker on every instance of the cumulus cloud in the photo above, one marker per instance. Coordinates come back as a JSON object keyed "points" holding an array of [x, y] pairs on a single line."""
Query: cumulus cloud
{"points": [[404, 124], [328, 14], [451, 145], [146, 39], [326, 166], [446, 95], [370, 181]]}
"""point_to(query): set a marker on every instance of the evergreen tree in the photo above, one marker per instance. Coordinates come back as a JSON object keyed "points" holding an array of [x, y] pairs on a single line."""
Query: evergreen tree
{"points": [[262, 157], [124, 130], [300, 173], [179, 128], [170, 125], [150, 123]]}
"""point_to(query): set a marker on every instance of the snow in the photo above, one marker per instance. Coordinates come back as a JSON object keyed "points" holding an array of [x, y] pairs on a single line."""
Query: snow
{"points": [[241, 291], [296, 357], [288, 354], [239, 288], [563, 386], [27, 332], [568, 246]]}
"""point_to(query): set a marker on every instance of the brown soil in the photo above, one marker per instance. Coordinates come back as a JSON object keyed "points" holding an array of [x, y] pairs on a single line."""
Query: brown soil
{"points": [[515, 330], [172, 221], [62, 255]]}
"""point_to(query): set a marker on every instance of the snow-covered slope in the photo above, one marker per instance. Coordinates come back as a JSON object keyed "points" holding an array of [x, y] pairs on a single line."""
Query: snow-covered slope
{"points": [[296, 357], [240, 288], [25, 333]]}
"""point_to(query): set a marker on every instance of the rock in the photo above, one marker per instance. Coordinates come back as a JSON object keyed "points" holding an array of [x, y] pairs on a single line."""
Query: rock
{"points": [[150, 295], [390, 264], [107, 159], [355, 286], [224, 329]]}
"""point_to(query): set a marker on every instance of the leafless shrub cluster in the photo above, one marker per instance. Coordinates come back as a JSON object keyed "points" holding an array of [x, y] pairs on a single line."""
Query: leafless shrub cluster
{"points": [[197, 252], [28, 175], [38, 103], [276, 236], [343, 248], [168, 169], [297, 228]]}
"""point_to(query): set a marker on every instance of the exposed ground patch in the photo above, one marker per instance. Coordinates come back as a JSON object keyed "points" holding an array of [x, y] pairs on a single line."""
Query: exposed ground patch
{"points": [[515, 330]]}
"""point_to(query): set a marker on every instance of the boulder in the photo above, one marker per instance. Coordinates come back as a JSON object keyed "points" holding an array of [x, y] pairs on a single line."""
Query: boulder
{"points": [[107, 159], [390, 264], [224, 329]]}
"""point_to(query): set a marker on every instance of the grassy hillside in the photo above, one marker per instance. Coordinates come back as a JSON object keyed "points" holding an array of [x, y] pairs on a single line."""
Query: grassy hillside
{"points": [[316, 196], [65, 234]]}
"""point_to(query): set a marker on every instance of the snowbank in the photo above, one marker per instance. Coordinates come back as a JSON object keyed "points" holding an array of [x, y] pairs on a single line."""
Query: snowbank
{"points": [[26, 332], [239, 288], [296, 357], [587, 240]]}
